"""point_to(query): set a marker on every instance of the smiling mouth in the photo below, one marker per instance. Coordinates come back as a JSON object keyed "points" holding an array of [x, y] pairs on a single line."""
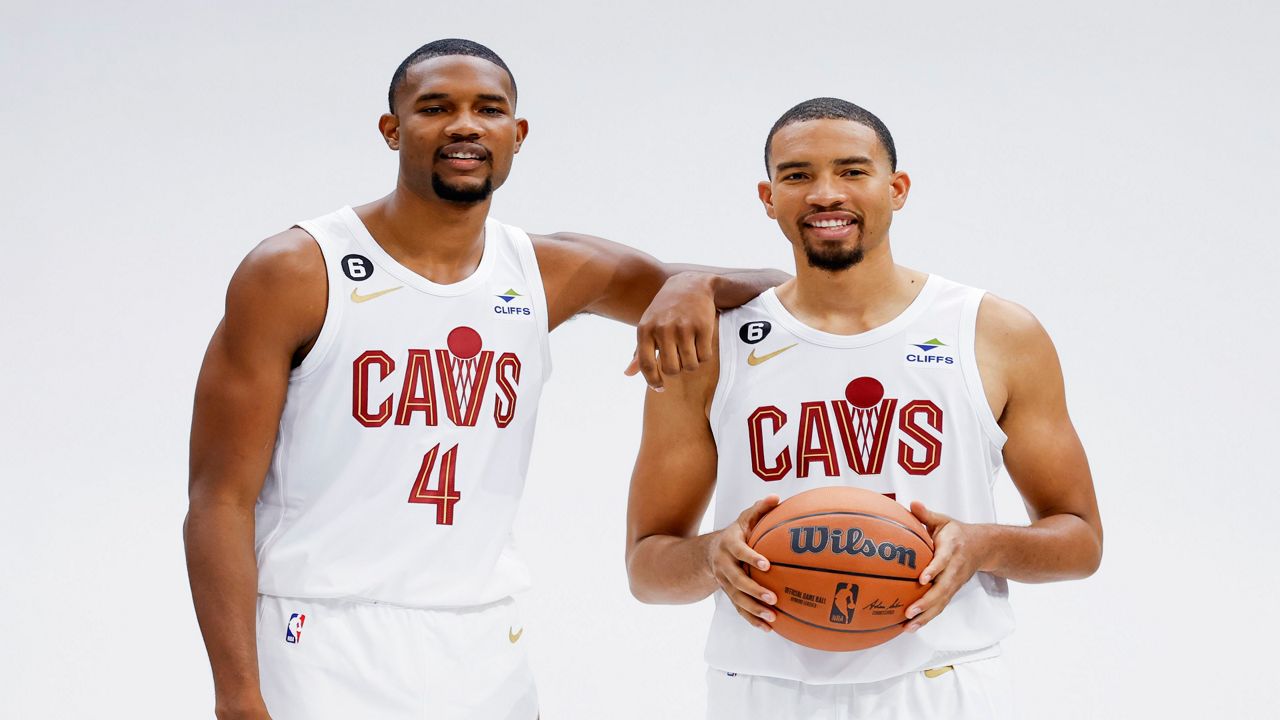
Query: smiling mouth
{"points": [[831, 223]]}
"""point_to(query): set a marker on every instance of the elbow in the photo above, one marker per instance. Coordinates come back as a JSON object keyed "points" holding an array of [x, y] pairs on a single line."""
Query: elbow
{"points": [[1095, 558]]}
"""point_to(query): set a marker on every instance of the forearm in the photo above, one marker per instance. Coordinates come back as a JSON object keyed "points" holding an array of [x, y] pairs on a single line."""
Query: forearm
{"points": [[1057, 547], [224, 586], [669, 570], [730, 287]]}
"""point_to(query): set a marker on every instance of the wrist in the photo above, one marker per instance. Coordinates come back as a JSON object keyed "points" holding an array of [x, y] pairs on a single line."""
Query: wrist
{"points": [[702, 282], [988, 546]]}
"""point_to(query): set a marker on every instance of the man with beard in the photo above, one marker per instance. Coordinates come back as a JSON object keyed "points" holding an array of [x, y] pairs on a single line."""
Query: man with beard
{"points": [[365, 411], [936, 385]]}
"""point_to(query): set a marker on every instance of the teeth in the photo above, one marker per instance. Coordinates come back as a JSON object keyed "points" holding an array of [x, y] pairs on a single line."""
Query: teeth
{"points": [[463, 156], [830, 223]]}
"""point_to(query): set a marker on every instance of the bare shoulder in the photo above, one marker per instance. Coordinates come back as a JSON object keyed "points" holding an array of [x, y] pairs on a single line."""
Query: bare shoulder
{"points": [[290, 258], [280, 288], [1010, 330], [1015, 355]]}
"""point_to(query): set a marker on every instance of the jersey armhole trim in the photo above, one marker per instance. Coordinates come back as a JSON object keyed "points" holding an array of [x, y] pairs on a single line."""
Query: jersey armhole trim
{"points": [[972, 377], [533, 275], [333, 309], [727, 353]]}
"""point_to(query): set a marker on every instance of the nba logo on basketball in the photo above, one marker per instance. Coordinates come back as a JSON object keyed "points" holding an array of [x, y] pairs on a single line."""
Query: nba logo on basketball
{"points": [[293, 631], [843, 601]]}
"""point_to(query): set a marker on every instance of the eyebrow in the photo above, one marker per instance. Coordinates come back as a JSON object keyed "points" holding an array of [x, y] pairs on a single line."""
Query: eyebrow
{"points": [[851, 160], [427, 97]]}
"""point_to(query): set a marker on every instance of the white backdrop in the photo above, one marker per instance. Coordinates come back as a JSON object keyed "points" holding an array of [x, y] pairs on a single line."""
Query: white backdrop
{"points": [[1112, 166]]}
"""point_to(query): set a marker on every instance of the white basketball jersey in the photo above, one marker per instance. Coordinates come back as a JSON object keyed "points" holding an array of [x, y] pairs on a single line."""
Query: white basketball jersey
{"points": [[406, 431], [898, 409]]}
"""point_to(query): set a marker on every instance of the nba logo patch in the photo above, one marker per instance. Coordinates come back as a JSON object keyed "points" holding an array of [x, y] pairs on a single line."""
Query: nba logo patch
{"points": [[293, 631]]}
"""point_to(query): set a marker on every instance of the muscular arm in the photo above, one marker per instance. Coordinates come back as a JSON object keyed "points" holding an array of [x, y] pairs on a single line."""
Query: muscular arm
{"points": [[275, 307], [671, 485], [1043, 454], [673, 306]]}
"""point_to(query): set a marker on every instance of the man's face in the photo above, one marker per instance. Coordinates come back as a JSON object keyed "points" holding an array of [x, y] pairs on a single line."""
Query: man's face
{"points": [[833, 192], [455, 128]]}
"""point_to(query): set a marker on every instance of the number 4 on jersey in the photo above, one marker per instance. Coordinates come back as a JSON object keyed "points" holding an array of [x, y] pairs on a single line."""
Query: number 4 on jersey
{"points": [[445, 495]]}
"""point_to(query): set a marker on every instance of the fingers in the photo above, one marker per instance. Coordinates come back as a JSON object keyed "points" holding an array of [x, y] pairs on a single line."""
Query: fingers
{"points": [[930, 605], [752, 515], [646, 348], [633, 367], [703, 343], [751, 599], [947, 577], [668, 351], [931, 519], [685, 339]]}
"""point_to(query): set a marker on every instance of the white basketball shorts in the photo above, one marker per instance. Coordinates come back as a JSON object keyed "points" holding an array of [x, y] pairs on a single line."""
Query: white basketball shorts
{"points": [[322, 659], [977, 690]]}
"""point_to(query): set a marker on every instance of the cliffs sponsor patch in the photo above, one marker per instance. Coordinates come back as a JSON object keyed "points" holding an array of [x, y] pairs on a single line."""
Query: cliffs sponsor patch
{"points": [[930, 352]]}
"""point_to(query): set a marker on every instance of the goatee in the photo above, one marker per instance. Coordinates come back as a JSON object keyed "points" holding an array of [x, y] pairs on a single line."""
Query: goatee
{"points": [[469, 196], [833, 260]]}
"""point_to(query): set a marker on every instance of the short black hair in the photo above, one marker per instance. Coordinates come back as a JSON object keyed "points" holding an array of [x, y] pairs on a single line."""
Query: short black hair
{"points": [[438, 48], [829, 108]]}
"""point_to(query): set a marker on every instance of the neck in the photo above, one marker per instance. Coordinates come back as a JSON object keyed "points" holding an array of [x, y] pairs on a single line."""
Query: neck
{"points": [[851, 301], [440, 240]]}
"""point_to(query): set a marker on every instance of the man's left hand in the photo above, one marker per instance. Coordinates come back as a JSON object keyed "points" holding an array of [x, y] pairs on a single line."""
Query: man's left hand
{"points": [[960, 550], [675, 333]]}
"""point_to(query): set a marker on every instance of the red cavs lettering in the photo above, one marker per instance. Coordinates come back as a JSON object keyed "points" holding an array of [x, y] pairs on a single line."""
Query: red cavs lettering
{"points": [[460, 383], [508, 376], [932, 445], [368, 360], [864, 419], [815, 426], [755, 425]]}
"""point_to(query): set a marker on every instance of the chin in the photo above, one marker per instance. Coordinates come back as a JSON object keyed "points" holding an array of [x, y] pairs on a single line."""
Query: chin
{"points": [[472, 192]]}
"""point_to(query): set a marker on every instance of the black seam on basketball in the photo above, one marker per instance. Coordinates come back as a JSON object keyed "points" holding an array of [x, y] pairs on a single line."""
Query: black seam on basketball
{"points": [[832, 629], [839, 572], [927, 543]]}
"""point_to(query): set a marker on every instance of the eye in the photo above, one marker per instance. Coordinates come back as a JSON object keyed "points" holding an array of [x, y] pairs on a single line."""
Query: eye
{"points": [[793, 176], [431, 110], [854, 173], [492, 111]]}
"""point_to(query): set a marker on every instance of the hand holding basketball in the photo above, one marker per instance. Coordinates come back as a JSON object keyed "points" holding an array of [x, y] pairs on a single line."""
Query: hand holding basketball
{"points": [[725, 555], [678, 326], [960, 549]]}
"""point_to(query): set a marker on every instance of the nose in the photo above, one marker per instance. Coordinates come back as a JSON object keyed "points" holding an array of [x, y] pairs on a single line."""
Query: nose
{"points": [[464, 127], [826, 192]]}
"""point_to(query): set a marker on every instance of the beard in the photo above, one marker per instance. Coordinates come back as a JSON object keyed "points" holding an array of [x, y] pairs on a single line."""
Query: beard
{"points": [[469, 196], [833, 260]]}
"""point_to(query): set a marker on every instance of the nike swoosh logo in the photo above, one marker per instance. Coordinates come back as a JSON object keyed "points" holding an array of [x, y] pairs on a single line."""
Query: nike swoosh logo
{"points": [[754, 359], [357, 297], [514, 636]]}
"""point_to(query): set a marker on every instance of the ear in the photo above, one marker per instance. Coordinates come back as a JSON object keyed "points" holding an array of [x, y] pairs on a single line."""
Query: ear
{"points": [[522, 132], [389, 126], [765, 191], [899, 186]]}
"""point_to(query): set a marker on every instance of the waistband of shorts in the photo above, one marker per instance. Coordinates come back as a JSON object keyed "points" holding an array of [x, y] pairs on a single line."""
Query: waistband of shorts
{"points": [[367, 602]]}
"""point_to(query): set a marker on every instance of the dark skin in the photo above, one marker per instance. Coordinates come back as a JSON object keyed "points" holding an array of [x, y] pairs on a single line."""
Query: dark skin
{"points": [[814, 181], [455, 120]]}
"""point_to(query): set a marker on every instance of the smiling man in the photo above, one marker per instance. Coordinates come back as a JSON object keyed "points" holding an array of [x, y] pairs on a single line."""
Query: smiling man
{"points": [[935, 386], [364, 417]]}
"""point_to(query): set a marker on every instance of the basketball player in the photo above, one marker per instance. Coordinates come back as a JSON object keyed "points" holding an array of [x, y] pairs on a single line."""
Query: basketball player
{"points": [[364, 415], [969, 382]]}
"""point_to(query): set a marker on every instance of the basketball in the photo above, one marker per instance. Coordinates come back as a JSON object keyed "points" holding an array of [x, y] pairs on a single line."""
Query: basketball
{"points": [[844, 564]]}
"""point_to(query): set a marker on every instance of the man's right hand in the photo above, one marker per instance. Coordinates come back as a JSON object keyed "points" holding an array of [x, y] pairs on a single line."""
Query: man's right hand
{"points": [[727, 551]]}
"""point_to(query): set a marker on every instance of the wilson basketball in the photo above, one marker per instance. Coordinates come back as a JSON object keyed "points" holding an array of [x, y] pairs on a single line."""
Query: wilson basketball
{"points": [[844, 564]]}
